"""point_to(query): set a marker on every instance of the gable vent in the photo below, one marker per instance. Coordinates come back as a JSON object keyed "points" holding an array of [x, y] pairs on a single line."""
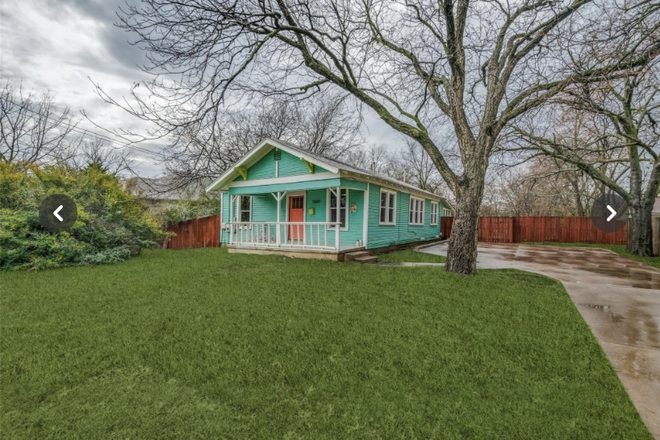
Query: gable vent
{"points": [[277, 155]]}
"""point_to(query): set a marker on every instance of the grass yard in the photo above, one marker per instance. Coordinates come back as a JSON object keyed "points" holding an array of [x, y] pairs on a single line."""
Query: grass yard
{"points": [[205, 345], [618, 248], [410, 256]]}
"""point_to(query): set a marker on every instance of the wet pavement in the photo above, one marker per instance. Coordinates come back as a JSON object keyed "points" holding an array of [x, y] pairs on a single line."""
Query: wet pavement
{"points": [[618, 298]]}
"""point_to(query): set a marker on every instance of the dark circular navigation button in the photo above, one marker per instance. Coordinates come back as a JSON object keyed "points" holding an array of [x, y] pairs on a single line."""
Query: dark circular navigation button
{"points": [[58, 213], [609, 212]]}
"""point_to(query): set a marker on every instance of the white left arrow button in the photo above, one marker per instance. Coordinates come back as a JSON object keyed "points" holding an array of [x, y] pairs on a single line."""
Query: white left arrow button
{"points": [[56, 212]]}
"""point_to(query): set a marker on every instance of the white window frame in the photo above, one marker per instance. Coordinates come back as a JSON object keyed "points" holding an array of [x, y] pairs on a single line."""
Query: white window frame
{"points": [[387, 207], [328, 215], [415, 214], [434, 213], [240, 210]]}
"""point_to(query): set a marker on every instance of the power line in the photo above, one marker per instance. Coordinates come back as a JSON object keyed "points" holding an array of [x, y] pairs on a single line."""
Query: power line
{"points": [[84, 131]]}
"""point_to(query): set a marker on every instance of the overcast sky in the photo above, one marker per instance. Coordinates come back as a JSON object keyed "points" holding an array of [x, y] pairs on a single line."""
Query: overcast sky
{"points": [[61, 45]]}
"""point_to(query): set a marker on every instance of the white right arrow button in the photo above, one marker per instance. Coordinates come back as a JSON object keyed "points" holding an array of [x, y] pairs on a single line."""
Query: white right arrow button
{"points": [[611, 215], [59, 208]]}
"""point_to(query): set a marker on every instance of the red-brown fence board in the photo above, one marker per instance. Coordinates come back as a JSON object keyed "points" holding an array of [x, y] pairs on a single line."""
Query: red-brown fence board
{"points": [[541, 229], [445, 226], [496, 229], [196, 233], [204, 232]]}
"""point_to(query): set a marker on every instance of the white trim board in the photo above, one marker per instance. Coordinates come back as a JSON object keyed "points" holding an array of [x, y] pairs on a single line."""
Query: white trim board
{"points": [[279, 180], [365, 220]]}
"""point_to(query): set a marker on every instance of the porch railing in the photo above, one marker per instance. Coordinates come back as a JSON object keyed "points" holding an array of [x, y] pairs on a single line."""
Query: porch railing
{"points": [[294, 235]]}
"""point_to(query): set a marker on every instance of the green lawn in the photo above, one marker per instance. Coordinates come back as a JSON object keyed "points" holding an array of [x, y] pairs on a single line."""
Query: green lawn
{"points": [[411, 256], [618, 248], [205, 345]]}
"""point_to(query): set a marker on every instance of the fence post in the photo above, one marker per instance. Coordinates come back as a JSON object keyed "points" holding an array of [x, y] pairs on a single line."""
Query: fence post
{"points": [[513, 230]]}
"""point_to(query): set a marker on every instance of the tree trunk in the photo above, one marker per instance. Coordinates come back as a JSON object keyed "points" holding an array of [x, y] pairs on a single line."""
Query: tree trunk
{"points": [[462, 252], [642, 233]]}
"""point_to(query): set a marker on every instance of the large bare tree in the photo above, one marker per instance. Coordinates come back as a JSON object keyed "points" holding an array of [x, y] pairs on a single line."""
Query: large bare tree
{"points": [[32, 128], [619, 119], [416, 63], [326, 126], [544, 186]]}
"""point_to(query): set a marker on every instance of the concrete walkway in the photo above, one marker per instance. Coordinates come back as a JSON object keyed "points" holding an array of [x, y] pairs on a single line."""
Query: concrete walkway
{"points": [[617, 297]]}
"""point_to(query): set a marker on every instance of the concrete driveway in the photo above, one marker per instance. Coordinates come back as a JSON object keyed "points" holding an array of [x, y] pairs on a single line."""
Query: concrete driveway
{"points": [[618, 298]]}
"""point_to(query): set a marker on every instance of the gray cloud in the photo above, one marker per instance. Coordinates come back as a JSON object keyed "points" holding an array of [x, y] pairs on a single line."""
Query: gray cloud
{"points": [[61, 45]]}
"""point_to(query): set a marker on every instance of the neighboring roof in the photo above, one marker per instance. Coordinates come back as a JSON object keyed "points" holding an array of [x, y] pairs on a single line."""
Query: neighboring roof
{"points": [[160, 188], [332, 165], [656, 206]]}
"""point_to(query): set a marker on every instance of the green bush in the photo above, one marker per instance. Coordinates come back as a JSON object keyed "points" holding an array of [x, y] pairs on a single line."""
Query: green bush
{"points": [[111, 226], [184, 210]]}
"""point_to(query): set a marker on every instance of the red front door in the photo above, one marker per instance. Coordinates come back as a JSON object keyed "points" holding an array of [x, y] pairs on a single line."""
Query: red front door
{"points": [[297, 214]]}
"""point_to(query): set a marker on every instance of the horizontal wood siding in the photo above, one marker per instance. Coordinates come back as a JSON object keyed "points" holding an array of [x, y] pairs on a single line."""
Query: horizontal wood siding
{"points": [[355, 219], [289, 165], [264, 208], [401, 233], [263, 169], [318, 200]]}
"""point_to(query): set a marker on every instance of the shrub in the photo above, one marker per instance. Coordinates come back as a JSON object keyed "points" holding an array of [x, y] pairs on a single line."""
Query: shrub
{"points": [[184, 210], [111, 224]]}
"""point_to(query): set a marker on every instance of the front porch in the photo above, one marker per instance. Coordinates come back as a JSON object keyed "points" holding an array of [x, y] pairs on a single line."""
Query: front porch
{"points": [[319, 222], [309, 236]]}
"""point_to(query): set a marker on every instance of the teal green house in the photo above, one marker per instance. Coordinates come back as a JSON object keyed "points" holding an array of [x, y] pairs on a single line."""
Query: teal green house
{"points": [[282, 198]]}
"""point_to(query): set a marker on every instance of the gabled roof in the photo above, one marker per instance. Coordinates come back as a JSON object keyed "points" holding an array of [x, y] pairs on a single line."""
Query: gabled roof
{"points": [[333, 165]]}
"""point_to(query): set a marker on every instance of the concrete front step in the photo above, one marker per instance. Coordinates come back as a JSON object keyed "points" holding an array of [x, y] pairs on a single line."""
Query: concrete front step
{"points": [[351, 256], [360, 257], [366, 260]]}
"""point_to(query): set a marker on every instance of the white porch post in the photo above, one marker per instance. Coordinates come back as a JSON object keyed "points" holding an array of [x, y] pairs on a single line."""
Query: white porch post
{"points": [[220, 232], [231, 218], [278, 234], [338, 218]]}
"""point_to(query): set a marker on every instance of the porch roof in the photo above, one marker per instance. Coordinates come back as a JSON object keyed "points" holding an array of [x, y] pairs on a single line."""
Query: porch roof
{"points": [[256, 188]]}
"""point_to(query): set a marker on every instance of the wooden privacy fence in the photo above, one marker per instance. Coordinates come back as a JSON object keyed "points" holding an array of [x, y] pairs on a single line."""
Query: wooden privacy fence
{"points": [[540, 229], [197, 233]]}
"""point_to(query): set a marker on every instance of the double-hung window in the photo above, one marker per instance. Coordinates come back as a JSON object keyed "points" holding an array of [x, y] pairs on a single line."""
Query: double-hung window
{"points": [[434, 213], [416, 211], [387, 207], [245, 209], [341, 208]]}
